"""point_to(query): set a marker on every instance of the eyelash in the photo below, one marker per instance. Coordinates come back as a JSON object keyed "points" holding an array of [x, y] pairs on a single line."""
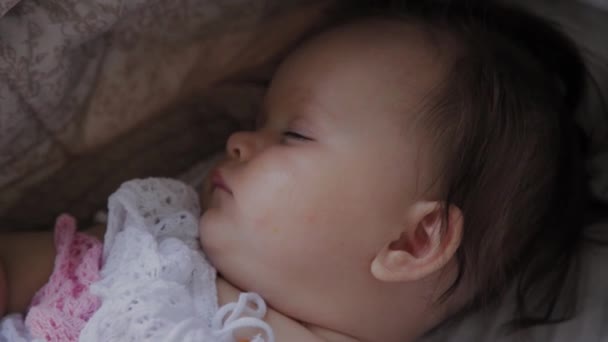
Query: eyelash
{"points": [[295, 135]]}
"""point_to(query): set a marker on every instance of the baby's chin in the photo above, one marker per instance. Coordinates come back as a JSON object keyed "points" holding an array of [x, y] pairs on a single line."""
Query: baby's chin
{"points": [[211, 240], [232, 262], [228, 263], [203, 235], [225, 268]]}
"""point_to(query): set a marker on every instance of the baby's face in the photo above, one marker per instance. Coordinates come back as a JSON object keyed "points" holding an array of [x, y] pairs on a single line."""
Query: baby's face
{"points": [[321, 186]]}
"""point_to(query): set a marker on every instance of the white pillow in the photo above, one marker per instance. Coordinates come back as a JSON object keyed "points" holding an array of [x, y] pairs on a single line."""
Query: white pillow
{"points": [[588, 325]]}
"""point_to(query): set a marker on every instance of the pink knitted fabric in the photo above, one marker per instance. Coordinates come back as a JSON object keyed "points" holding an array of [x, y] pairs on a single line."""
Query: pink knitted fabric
{"points": [[61, 308]]}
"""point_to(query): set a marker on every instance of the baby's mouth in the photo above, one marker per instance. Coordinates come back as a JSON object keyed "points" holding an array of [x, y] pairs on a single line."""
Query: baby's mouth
{"points": [[218, 181]]}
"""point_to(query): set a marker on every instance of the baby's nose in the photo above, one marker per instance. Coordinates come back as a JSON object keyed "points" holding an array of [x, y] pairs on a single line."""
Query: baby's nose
{"points": [[242, 145]]}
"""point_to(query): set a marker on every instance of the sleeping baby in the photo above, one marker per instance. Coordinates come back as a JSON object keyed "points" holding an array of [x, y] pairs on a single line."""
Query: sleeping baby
{"points": [[404, 168]]}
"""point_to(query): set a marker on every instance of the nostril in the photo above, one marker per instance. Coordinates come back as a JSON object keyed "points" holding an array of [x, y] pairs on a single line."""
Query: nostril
{"points": [[233, 146], [236, 152], [241, 145]]}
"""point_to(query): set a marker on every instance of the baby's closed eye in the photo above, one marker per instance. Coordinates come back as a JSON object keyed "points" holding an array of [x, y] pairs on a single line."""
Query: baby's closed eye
{"points": [[295, 136]]}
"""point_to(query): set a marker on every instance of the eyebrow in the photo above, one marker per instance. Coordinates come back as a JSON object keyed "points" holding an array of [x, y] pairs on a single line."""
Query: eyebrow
{"points": [[305, 102]]}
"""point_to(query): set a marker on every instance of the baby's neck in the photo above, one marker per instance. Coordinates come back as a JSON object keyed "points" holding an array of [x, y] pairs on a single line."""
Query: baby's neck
{"points": [[284, 328]]}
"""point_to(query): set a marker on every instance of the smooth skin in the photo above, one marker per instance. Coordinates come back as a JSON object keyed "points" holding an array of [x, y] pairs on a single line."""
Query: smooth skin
{"points": [[331, 215]]}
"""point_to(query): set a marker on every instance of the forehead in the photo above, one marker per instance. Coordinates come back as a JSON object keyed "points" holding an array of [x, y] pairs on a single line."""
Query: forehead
{"points": [[378, 67]]}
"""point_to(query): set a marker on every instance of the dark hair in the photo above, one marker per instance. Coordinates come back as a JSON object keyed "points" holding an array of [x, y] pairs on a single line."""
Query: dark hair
{"points": [[504, 119]]}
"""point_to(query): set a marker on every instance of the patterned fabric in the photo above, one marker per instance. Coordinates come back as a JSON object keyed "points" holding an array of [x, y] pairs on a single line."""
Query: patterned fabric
{"points": [[156, 283], [77, 75], [60, 309]]}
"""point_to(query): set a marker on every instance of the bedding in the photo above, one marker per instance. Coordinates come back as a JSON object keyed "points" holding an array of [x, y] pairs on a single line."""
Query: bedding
{"points": [[95, 92], [588, 325]]}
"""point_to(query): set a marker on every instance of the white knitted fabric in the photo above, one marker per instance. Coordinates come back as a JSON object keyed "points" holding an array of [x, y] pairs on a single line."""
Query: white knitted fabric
{"points": [[156, 284], [12, 329]]}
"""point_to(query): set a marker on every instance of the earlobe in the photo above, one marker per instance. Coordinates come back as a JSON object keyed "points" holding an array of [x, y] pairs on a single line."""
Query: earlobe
{"points": [[428, 241]]}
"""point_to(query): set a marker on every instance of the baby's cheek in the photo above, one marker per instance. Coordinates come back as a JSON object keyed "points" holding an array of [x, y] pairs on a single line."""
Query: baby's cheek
{"points": [[216, 231], [271, 225], [265, 207], [311, 218], [261, 222]]}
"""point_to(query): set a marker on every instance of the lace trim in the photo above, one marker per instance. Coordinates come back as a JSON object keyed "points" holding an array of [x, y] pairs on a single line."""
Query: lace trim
{"points": [[229, 318]]}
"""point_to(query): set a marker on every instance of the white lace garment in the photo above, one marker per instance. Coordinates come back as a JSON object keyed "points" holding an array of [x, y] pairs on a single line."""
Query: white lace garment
{"points": [[156, 284]]}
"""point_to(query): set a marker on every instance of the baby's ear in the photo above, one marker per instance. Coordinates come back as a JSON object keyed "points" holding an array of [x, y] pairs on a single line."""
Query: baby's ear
{"points": [[428, 241]]}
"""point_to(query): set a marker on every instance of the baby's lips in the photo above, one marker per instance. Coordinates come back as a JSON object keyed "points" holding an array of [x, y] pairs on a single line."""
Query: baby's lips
{"points": [[217, 181]]}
